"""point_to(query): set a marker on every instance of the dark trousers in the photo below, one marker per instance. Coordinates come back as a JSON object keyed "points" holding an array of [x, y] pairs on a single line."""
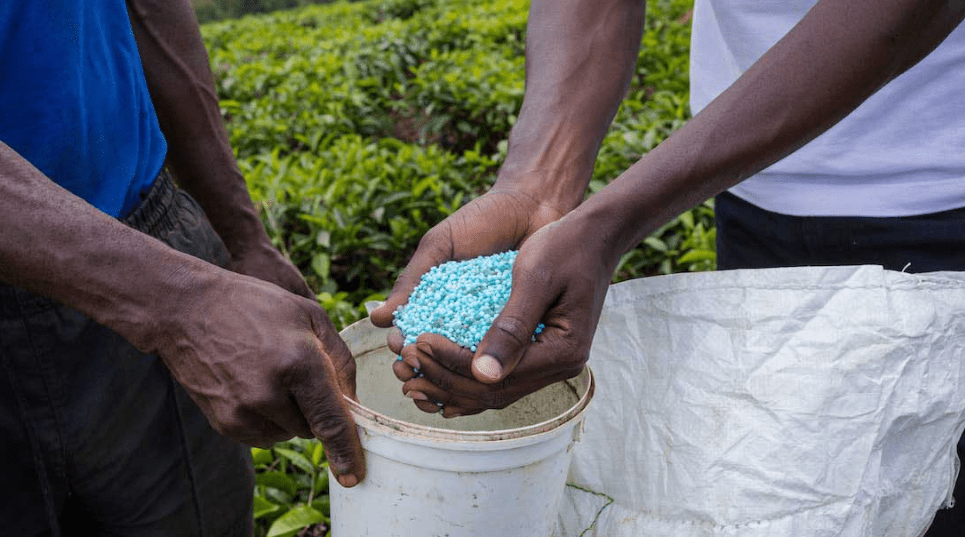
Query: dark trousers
{"points": [[96, 438], [750, 237]]}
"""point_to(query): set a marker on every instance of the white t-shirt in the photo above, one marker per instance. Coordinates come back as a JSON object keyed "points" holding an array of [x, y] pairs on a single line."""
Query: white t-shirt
{"points": [[902, 152]]}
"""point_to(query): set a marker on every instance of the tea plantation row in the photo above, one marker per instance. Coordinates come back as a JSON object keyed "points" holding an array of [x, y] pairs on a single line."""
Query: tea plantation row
{"points": [[360, 125]]}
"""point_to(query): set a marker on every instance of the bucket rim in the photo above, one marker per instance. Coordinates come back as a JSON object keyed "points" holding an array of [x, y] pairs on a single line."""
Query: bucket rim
{"points": [[370, 419]]}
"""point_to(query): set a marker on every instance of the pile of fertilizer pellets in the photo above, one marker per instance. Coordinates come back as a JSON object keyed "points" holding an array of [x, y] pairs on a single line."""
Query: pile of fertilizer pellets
{"points": [[459, 300]]}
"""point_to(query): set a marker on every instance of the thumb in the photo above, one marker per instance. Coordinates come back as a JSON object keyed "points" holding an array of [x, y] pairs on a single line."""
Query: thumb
{"points": [[511, 333]]}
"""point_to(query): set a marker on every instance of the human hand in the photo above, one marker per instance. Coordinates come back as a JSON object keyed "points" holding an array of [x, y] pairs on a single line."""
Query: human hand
{"points": [[497, 221], [560, 279], [437, 375], [264, 365]]}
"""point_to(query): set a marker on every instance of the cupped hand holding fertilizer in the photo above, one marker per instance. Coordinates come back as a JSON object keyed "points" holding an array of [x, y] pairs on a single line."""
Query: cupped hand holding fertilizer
{"points": [[457, 300], [557, 278]]}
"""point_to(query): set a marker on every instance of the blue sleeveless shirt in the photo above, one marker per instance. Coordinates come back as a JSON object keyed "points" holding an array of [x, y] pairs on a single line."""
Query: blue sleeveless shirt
{"points": [[74, 101]]}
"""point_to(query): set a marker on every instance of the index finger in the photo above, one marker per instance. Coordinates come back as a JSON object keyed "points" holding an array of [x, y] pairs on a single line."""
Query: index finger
{"points": [[327, 412], [334, 348], [446, 353]]}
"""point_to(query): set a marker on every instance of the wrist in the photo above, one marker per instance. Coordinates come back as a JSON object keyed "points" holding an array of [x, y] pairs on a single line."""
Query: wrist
{"points": [[245, 234], [561, 189], [170, 306], [633, 205], [549, 162], [603, 231]]}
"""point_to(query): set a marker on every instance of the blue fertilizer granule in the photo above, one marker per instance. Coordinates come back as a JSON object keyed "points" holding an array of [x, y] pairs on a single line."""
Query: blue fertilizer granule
{"points": [[459, 300]]}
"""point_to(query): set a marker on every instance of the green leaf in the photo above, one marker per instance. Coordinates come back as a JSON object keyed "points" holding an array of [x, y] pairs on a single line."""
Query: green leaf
{"points": [[656, 244], [422, 185], [294, 520], [276, 496], [297, 459], [321, 482], [263, 507], [261, 456], [317, 220], [687, 219], [317, 454], [322, 264], [324, 238], [323, 505], [694, 256], [277, 480]]}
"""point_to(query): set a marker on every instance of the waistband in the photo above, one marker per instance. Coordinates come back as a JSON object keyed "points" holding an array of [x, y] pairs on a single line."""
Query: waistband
{"points": [[153, 215]]}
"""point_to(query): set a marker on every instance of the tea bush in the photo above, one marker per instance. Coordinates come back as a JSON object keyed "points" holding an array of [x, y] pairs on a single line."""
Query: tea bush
{"points": [[359, 125], [212, 10]]}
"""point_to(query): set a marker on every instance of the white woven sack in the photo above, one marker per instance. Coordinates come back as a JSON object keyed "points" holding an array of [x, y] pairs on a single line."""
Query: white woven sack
{"points": [[783, 402]]}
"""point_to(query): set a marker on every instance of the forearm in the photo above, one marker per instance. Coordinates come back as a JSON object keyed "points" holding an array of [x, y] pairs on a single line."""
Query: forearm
{"points": [[580, 58], [179, 77], [835, 58], [56, 245]]}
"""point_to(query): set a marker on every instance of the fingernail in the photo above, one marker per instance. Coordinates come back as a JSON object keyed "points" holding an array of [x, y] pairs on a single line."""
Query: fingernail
{"points": [[488, 366], [347, 480], [418, 396]]}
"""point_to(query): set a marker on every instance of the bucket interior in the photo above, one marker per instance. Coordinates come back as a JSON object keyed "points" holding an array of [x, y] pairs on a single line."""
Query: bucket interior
{"points": [[381, 392]]}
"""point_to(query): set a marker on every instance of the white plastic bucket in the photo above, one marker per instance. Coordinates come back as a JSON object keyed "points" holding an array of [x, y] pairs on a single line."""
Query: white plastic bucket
{"points": [[502, 472]]}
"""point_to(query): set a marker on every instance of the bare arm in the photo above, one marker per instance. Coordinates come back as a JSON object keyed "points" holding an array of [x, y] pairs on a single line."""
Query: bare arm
{"points": [[57, 245], [836, 57], [182, 89], [580, 58]]}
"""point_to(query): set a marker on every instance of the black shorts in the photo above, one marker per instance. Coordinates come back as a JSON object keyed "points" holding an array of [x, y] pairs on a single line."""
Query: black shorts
{"points": [[751, 237], [96, 438]]}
